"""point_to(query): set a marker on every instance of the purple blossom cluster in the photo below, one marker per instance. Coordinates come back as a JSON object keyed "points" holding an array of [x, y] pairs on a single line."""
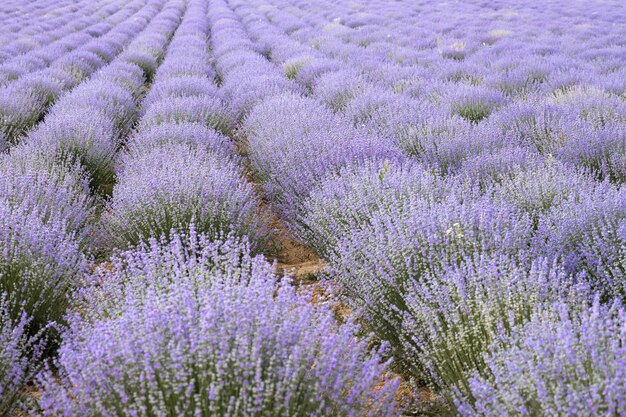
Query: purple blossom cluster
{"points": [[201, 328], [567, 360], [20, 356]]}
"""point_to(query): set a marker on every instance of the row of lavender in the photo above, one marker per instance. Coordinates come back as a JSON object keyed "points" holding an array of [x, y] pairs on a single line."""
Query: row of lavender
{"points": [[469, 203], [185, 320], [49, 199]]}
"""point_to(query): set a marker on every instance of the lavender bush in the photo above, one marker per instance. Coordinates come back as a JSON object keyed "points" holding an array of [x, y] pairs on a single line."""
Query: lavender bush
{"points": [[212, 337], [206, 110], [397, 248], [58, 193], [566, 361], [167, 134], [78, 135], [455, 314], [40, 264], [176, 185], [20, 356], [347, 201], [304, 143]]}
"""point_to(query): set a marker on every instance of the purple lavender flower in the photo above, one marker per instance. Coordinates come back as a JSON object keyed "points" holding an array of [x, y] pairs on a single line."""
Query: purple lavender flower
{"points": [[569, 360], [205, 110], [213, 334], [40, 263], [175, 185], [20, 356]]}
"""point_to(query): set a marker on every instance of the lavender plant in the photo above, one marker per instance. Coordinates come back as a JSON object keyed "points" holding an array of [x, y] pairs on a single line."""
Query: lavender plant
{"points": [[347, 201], [588, 236], [214, 333], [20, 356], [206, 110], [475, 104], [304, 143], [378, 264], [58, 193], [172, 186], [41, 263], [565, 361], [77, 135], [190, 134], [454, 315]]}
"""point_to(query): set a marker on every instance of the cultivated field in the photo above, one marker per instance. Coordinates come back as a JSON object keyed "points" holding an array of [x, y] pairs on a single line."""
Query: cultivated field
{"points": [[291, 208]]}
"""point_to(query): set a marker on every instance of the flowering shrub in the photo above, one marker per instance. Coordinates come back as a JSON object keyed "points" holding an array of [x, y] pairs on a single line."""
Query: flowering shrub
{"points": [[206, 110], [82, 135], [454, 315], [566, 361], [378, 263], [175, 185], [588, 235], [40, 263], [348, 201], [58, 193], [166, 134], [212, 337], [304, 143], [20, 356]]}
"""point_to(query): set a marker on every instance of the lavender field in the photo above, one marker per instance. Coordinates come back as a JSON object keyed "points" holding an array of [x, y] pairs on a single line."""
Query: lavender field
{"points": [[290, 208]]}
